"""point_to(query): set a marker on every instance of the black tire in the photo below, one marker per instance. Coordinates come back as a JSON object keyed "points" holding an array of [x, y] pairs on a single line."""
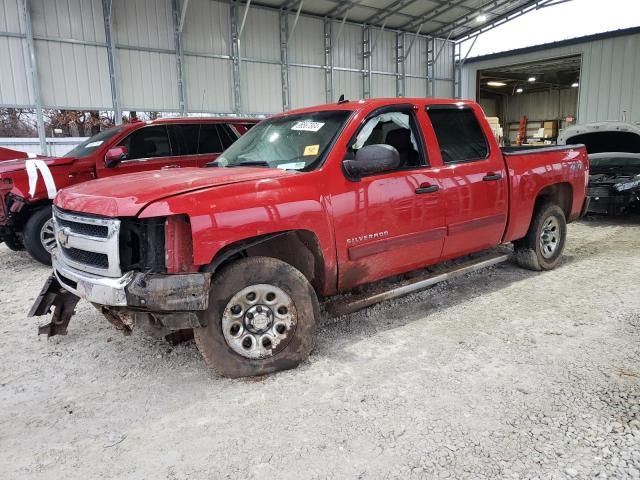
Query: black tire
{"points": [[31, 235], [13, 243], [529, 250], [247, 272]]}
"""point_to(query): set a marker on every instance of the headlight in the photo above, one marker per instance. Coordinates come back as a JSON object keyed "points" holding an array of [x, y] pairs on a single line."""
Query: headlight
{"points": [[628, 185]]}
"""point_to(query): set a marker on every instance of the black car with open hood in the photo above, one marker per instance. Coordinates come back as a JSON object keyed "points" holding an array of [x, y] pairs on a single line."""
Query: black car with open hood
{"points": [[614, 155]]}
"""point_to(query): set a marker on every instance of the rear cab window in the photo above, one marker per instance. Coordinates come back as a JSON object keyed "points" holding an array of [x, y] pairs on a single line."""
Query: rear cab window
{"points": [[459, 134]]}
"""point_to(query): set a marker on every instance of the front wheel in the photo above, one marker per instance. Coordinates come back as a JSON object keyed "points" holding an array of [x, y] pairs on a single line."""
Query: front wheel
{"points": [[261, 318], [38, 235], [542, 248]]}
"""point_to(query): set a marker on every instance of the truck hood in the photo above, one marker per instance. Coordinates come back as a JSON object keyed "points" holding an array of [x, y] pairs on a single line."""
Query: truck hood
{"points": [[9, 166], [600, 137], [127, 195]]}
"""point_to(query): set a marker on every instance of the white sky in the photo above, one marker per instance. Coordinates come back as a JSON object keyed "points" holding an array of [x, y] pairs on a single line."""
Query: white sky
{"points": [[575, 18]]}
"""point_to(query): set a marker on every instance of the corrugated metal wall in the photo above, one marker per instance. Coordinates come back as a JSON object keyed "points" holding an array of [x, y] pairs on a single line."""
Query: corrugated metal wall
{"points": [[609, 83], [70, 42]]}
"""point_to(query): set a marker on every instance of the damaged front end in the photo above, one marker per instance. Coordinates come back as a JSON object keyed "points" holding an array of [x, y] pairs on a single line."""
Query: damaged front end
{"points": [[125, 274], [614, 183], [614, 157]]}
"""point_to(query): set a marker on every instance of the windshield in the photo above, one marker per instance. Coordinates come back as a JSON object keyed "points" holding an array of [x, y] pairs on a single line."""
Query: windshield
{"points": [[90, 145], [292, 142]]}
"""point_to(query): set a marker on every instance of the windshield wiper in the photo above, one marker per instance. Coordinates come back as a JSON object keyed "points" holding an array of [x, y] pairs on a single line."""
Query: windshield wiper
{"points": [[250, 163]]}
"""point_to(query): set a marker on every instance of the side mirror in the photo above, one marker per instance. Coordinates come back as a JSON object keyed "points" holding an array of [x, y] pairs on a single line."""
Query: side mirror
{"points": [[370, 160], [115, 155]]}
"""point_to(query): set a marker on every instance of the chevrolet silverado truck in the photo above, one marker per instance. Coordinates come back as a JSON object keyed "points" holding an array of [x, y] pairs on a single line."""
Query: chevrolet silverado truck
{"points": [[307, 204], [614, 156], [28, 186]]}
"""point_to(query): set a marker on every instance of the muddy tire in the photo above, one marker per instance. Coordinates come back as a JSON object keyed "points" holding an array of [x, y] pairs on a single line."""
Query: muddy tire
{"points": [[261, 318], [38, 236], [542, 248]]}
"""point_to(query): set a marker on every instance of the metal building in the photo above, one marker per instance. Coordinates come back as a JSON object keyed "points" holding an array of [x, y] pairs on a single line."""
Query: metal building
{"points": [[607, 82], [233, 57]]}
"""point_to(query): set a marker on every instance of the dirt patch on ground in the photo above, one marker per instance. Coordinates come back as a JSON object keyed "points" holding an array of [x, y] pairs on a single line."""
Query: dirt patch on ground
{"points": [[500, 374]]}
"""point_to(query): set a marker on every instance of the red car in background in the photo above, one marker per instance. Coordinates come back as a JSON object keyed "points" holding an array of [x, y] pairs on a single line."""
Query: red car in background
{"points": [[28, 186]]}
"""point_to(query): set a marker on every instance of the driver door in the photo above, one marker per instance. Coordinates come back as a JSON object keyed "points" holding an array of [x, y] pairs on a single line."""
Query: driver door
{"points": [[391, 222]]}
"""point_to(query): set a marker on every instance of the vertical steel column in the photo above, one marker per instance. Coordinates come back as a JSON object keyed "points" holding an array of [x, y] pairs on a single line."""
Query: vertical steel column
{"points": [[35, 80], [431, 48], [366, 62], [457, 87], [284, 59], [107, 13], [177, 35], [235, 56], [328, 61], [400, 65]]}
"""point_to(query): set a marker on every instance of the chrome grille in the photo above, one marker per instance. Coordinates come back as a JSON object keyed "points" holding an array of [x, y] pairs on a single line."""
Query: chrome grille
{"points": [[89, 229], [88, 244]]}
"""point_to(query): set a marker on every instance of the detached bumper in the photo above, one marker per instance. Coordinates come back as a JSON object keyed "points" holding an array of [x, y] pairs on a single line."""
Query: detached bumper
{"points": [[138, 291]]}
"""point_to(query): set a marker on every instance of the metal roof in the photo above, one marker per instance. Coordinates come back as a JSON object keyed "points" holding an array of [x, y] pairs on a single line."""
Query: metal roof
{"points": [[453, 19]]}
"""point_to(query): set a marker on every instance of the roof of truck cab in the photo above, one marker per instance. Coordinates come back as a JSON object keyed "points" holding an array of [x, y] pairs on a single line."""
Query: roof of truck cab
{"points": [[199, 120], [373, 103]]}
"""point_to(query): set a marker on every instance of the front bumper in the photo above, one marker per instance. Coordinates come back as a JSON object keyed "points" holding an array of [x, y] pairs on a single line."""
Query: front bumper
{"points": [[137, 290]]}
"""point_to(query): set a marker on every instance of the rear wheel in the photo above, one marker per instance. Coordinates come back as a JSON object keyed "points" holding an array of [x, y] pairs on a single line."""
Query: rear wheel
{"points": [[38, 235], [542, 248], [261, 318]]}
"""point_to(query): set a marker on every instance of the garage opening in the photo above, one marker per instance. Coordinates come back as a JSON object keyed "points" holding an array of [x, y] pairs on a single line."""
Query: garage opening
{"points": [[529, 103]]}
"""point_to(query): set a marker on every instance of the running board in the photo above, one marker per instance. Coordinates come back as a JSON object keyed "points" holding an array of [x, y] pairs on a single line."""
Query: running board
{"points": [[359, 302]]}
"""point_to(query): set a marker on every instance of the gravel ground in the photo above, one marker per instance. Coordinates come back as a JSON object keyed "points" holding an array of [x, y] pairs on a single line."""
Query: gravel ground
{"points": [[500, 374]]}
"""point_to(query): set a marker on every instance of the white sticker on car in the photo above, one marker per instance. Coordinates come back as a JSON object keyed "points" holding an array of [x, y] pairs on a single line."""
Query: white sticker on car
{"points": [[308, 126], [292, 166], [94, 144]]}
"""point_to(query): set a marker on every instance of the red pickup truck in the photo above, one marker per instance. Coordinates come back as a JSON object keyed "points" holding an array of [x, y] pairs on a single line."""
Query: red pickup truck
{"points": [[27, 186], [307, 204]]}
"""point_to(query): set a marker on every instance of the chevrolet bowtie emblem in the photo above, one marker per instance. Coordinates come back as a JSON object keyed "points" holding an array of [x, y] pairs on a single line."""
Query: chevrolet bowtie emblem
{"points": [[63, 236]]}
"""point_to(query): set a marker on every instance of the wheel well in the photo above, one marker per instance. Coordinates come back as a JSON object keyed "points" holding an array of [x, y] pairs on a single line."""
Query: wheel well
{"points": [[560, 194], [299, 248]]}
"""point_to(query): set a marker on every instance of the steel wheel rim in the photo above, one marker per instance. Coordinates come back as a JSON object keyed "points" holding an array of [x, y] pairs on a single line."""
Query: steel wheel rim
{"points": [[48, 236], [549, 237], [259, 321]]}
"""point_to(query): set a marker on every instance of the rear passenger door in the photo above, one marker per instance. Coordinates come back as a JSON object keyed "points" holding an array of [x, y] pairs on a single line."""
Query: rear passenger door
{"points": [[474, 181]]}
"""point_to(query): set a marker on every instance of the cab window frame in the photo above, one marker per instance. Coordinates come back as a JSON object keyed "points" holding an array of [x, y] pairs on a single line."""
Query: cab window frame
{"points": [[458, 108], [414, 122]]}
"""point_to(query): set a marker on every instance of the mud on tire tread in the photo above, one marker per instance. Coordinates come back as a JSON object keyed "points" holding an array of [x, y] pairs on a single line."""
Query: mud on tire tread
{"points": [[31, 235], [527, 250], [250, 271]]}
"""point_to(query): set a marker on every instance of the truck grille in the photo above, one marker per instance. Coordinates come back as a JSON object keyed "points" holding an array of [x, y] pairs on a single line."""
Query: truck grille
{"points": [[599, 191], [88, 229], [87, 243]]}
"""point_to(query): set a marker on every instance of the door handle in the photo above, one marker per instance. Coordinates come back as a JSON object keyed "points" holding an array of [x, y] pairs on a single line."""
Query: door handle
{"points": [[491, 177], [425, 188]]}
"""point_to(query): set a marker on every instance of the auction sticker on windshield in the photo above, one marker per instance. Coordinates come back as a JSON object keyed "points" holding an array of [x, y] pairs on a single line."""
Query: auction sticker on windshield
{"points": [[311, 150], [308, 126]]}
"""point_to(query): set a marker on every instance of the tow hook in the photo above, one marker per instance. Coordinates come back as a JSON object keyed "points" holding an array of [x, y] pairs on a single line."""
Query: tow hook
{"points": [[63, 302]]}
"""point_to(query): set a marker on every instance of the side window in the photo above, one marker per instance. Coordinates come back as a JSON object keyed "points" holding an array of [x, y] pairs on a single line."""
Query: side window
{"points": [[459, 135], [209, 141], [397, 129], [188, 135], [148, 142]]}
